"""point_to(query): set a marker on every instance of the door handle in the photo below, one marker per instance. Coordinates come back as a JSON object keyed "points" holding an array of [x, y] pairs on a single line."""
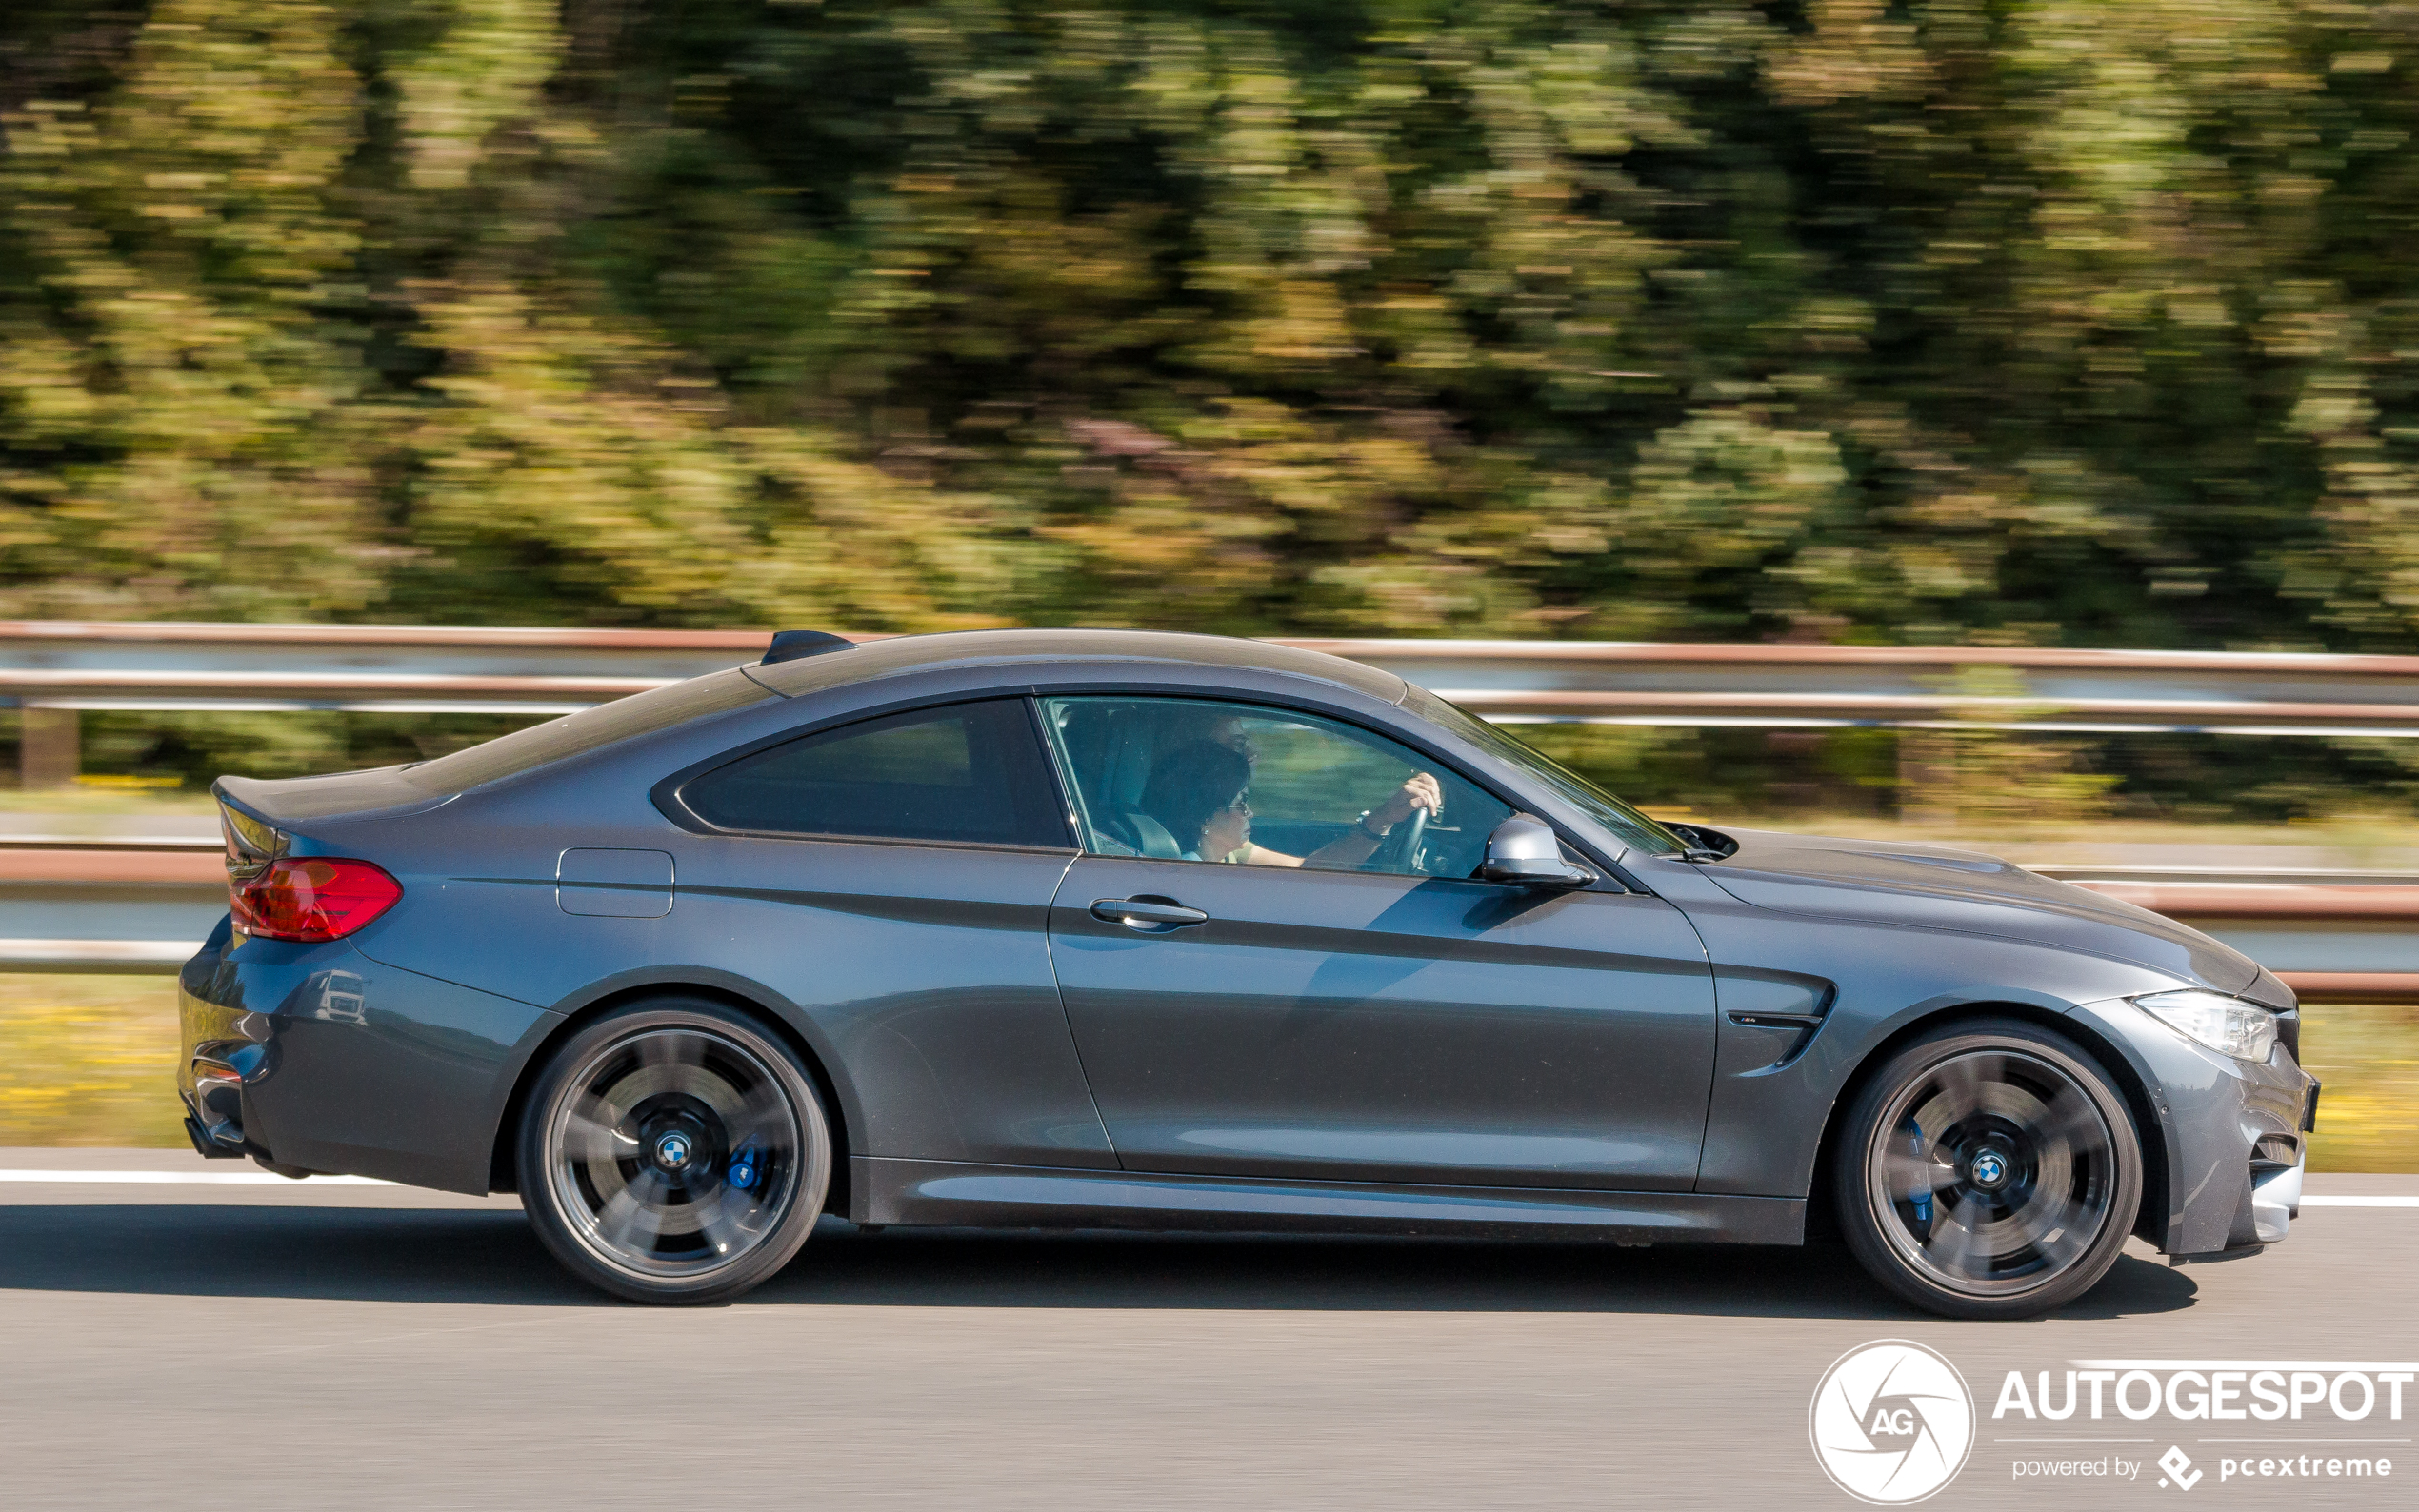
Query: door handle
{"points": [[1146, 913]]}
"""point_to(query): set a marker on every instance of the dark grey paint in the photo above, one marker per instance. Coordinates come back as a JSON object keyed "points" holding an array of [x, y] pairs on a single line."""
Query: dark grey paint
{"points": [[1139, 656], [1900, 886], [1359, 1050], [614, 883], [371, 1070], [2208, 1107], [1353, 1026], [927, 972], [935, 1193], [340, 795]]}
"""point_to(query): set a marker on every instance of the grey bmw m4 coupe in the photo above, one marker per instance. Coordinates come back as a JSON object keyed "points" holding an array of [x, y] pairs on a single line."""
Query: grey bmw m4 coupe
{"points": [[1096, 929]]}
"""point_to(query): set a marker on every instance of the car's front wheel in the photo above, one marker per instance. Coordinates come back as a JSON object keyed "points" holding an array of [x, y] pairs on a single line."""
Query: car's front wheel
{"points": [[1988, 1169], [673, 1151]]}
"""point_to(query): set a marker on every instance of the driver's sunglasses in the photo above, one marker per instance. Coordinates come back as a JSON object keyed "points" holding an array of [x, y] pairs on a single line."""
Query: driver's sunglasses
{"points": [[1241, 806]]}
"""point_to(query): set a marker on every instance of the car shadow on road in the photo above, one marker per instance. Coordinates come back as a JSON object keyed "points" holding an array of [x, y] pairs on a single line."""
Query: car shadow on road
{"points": [[491, 1257], [965, 1268]]}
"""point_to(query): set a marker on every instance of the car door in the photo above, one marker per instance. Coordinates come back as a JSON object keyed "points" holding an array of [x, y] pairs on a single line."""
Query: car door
{"points": [[891, 877], [1373, 1014]]}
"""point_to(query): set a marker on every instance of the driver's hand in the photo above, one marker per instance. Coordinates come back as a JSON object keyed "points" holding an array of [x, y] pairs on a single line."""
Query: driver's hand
{"points": [[1422, 792]]}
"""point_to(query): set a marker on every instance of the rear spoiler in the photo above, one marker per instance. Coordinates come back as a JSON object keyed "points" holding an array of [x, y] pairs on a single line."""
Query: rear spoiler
{"points": [[281, 803]]}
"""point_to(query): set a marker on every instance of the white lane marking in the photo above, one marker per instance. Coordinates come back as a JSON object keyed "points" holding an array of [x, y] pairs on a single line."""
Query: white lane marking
{"points": [[2309, 1200], [188, 1178]]}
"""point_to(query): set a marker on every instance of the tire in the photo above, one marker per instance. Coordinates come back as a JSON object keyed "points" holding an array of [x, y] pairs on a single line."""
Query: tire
{"points": [[673, 1151], [1989, 1170]]}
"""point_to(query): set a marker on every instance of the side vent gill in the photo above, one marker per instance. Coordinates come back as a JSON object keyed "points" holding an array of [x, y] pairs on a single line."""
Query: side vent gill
{"points": [[1769, 1018]]}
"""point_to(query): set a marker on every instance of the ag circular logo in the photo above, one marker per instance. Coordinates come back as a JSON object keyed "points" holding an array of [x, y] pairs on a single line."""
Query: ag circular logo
{"points": [[1891, 1422]]}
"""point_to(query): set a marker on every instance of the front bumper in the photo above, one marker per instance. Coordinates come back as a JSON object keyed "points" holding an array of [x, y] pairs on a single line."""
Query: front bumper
{"points": [[2230, 1145], [2276, 1199]]}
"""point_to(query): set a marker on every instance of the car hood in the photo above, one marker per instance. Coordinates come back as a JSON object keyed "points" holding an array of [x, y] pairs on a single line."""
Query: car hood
{"points": [[1937, 888]]}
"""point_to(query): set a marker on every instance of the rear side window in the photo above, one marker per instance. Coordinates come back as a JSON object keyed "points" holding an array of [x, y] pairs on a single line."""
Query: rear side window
{"points": [[969, 773]]}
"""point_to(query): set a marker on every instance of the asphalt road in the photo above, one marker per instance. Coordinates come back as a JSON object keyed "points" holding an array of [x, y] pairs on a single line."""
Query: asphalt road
{"points": [[358, 1346]]}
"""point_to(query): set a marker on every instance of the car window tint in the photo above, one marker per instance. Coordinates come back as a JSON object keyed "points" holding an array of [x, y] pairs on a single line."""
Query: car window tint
{"points": [[967, 773], [924, 753], [1627, 823], [1142, 771], [645, 713]]}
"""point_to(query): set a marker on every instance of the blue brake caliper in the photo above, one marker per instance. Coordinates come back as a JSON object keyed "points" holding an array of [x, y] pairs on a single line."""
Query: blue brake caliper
{"points": [[1920, 1193], [742, 1172]]}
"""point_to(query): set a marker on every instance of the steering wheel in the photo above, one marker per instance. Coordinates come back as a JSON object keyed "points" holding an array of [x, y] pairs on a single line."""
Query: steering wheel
{"points": [[1399, 850]]}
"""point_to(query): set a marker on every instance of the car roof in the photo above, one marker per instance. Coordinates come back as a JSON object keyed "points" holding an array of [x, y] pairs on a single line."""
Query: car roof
{"points": [[1047, 648]]}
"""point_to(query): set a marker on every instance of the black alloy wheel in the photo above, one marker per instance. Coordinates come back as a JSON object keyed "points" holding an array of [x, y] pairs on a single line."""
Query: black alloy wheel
{"points": [[675, 1151], [1989, 1170]]}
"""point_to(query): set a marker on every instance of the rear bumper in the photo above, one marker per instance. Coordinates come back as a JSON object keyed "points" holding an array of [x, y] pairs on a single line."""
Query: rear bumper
{"points": [[2230, 1137], [205, 1144], [317, 1058]]}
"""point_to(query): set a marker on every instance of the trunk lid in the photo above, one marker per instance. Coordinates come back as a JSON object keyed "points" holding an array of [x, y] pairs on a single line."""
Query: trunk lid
{"points": [[285, 802]]}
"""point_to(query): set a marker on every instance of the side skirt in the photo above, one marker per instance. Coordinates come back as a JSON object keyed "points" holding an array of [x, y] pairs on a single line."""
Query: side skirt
{"points": [[948, 1194]]}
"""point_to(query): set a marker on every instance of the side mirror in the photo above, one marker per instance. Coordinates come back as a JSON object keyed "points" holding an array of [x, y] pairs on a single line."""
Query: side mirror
{"points": [[1524, 852]]}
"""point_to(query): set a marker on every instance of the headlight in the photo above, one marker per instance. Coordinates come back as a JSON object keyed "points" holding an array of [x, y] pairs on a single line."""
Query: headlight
{"points": [[2230, 1026]]}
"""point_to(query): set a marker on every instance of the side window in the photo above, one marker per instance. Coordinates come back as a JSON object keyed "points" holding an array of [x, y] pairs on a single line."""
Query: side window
{"points": [[1199, 780], [966, 773]]}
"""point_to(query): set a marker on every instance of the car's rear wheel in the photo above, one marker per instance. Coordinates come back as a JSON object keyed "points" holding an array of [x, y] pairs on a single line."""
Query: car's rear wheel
{"points": [[673, 1151], [1988, 1169]]}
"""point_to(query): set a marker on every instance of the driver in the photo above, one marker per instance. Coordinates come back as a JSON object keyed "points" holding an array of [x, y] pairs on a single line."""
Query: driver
{"points": [[1198, 791]]}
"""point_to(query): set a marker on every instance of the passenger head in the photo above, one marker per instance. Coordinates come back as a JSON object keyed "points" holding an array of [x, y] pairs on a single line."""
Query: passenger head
{"points": [[1195, 785]]}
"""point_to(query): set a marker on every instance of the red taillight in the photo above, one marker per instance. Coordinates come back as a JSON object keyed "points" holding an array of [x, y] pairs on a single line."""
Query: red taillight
{"points": [[311, 897]]}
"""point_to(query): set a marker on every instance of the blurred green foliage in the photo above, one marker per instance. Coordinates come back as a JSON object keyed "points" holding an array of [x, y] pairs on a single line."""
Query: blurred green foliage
{"points": [[2054, 321], [1992, 321]]}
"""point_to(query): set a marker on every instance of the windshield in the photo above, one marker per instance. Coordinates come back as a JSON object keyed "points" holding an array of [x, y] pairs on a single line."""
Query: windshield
{"points": [[1630, 825]]}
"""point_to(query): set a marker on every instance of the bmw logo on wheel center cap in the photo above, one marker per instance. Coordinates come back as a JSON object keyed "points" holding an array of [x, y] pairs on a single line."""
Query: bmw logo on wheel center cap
{"points": [[1989, 1168], [672, 1151]]}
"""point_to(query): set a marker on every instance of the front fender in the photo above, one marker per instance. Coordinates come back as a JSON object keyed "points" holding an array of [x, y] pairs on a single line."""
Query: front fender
{"points": [[2211, 1111], [1771, 1103]]}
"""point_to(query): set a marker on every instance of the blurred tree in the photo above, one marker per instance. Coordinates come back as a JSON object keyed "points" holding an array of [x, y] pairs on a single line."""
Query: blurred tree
{"points": [[1866, 320], [177, 395]]}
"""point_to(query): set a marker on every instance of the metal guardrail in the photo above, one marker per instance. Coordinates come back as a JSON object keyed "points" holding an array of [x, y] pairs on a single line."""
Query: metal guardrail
{"points": [[2333, 933], [144, 904], [108, 904], [1819, 686], [406, 669]]}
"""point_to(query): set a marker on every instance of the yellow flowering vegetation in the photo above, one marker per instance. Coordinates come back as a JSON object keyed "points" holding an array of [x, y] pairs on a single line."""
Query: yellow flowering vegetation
{"points": [[2368, 1115], [89, 1061]]}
